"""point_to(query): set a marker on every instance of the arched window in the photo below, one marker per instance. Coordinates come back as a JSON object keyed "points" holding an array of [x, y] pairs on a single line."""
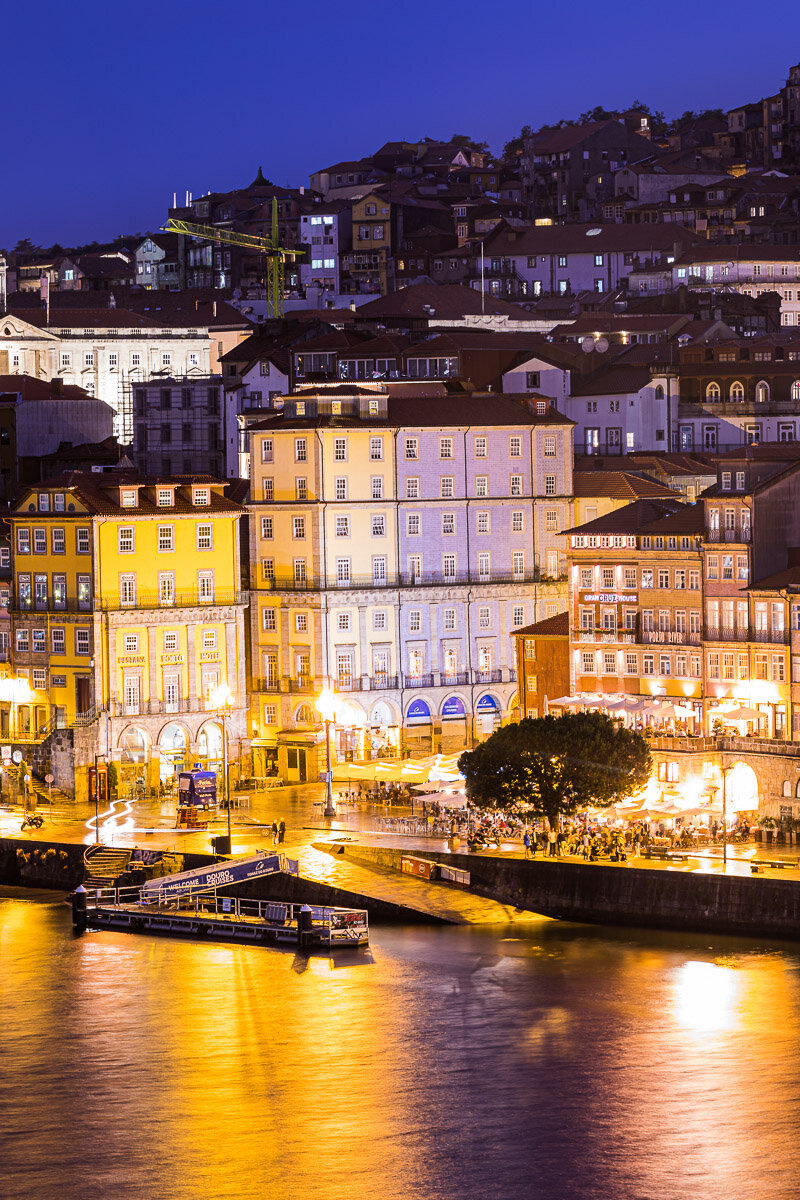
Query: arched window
{"points": [[713, 392], [737, 391], [796, 390], [787, 787], [304, 715], [659, 392], [762, 392]]}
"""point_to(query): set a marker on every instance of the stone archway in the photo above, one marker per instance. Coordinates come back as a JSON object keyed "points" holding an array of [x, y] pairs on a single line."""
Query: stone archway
{"points": [[173, 742], [741, 788]]}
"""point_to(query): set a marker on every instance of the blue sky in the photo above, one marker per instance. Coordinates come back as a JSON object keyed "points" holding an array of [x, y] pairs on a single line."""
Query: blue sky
{"points": [[110, 108]]}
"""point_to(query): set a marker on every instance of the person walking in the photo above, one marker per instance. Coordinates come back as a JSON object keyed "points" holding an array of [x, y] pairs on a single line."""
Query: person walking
{"points": [[526, 841], [274, 833], [551, 839], [281, 832]]}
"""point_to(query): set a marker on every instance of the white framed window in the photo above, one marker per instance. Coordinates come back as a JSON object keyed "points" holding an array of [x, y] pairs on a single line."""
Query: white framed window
{"points": [[170, 642], [300, 450], [82, 641], [58, 539], [269, 619], [300, 574], [376, 487], [340, 487], [267, 528], [300, 489], [58, 641], [445, 447], [551, 520], [449, 566], [413, 524], [549, 485], [549, 446], [518, 615], [340, 449], [515, 447], [209, 639], [482, 522], [412, 488], [301, 622], [412, 448], [414, 564], [447, 487], [481, 447], [484, 565], [343, 622], [414, 620], [166, 537], [82, 541], [515, 485], [268, 570], [376, 449], [448, 523], [343, 574], [484, 617], [448, 619], [379, 618], [166, 587], [126, 542], [298, 527], [342, 527], [517, 521], [378, 524], [379, 569], [166, 498], [127, 591]]}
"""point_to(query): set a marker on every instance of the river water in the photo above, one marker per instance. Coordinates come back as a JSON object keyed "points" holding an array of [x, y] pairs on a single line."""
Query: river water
{"points": [[543, 1060]]}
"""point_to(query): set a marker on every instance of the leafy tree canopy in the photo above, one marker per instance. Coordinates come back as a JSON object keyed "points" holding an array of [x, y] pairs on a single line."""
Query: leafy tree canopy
{"points": [[465, 142], [556, 765]]}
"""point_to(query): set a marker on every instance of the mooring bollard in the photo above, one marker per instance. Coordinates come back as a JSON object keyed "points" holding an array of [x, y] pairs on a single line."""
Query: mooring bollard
{"points": [[304, 926], [79, 908]]}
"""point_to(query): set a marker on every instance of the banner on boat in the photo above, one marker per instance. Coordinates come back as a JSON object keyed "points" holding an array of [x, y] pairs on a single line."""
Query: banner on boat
{"points": [[219, 875]]}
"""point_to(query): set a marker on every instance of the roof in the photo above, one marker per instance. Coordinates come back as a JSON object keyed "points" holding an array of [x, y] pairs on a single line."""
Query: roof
{"points": [[636, 517], [557, 626], [612, 381], [446, 300], [645, 240], [195, 308], [29, 388], [618, 485], [94, 488], [556, 141], [415, 412]]}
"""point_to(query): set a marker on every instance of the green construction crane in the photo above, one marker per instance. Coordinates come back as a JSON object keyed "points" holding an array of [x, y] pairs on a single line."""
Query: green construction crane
{"points": [[275, 254]]}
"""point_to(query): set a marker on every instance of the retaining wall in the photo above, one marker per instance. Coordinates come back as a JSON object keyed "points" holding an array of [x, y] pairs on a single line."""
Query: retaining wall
{"points": [[625, 895]]}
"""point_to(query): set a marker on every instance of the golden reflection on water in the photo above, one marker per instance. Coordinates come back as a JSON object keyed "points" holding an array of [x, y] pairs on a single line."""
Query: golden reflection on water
{"points": [[706, 997]]}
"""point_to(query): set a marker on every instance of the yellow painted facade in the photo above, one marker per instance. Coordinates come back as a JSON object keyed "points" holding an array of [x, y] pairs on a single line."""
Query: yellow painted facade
{"points": [[128, 607]]}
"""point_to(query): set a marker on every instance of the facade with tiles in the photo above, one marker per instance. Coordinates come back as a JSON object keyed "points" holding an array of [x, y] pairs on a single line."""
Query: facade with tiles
{"points": [[127, 613], [396, 544]]}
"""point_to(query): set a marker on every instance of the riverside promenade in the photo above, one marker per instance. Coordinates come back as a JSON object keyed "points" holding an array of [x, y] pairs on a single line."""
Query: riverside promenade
{"points": [[505, 888]]}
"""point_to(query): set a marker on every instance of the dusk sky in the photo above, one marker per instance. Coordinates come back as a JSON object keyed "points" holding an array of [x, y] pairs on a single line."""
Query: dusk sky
{"points": [[110, 108]]}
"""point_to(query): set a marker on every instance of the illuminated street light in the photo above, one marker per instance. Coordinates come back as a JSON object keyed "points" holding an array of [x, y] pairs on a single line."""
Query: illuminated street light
{"points": [[222, 698], [326, 707]]}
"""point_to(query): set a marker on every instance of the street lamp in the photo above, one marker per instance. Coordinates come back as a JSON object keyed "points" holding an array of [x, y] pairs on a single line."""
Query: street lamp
{"points": [[222, 698], [326, 707]]}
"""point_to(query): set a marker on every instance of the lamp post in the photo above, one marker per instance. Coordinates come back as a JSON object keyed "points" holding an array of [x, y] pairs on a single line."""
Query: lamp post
{"points": [[222, 698], [327, 710], [725, 771]]}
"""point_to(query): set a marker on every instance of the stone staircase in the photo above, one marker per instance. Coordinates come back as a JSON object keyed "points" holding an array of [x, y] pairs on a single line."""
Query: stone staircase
{"points": [[103, 865]]}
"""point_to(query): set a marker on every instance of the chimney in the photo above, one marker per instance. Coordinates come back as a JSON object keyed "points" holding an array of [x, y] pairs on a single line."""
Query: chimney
{"points": [[214, 309], [57, 386]]}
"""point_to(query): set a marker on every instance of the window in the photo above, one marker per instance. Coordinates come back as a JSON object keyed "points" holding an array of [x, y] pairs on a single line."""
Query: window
{"points": [[532, 380], [376, 449], [412, 489], [340, 487], [484, 618], [549, 485], [340, 449], [40, 541], [515, 447], [343, 622], [413, 524], [414, 620], [82, 641], [648, 664], [484, 566], [551, 520], [445, 447], [59, 541], [587, 662], [342, 526], [343, 572], [268, 569], [712, 566], [376, 487], [166, 587], [481, 485], [127, 591], [549, 446], [166, 537], [300, 450], [515, 485], [298, 527], [58, 641], [449, 566], [517, 521], [378, 525], [481, 445], [267, 528], [447, 487], [267, 449], [270, 619], [299, 569], [125, 540], [449, 619], [23, 541], [268, 488], [379, 619], [23, 641], [412, 448], [518, 564], [300, 490], [663, 578], [482, 522], [448, 523], [165, 498]]}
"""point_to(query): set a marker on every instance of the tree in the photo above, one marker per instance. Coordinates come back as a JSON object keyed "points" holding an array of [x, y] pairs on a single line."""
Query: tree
{"points": [[556, 765]]}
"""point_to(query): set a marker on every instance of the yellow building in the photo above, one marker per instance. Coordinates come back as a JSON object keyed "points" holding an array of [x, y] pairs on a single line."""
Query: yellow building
{"points": [[128, 614]]}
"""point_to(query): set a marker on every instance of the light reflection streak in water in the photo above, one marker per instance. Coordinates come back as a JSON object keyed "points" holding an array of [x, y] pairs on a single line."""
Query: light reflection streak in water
{"points": [[565, 1064]]}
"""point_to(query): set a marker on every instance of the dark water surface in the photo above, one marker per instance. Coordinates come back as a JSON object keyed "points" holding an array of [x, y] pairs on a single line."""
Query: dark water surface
{"points": [[542, 1061]]}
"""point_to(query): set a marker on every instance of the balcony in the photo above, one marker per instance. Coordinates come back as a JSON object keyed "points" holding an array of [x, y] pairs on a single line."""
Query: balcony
{"points": [[492, 676], [776, 637], [347, 683], [454, 679], [184, 598], [384, 683], [728, 535], [270, 686], [318, 583], [418, 681], [117, 707], [727, 633]]}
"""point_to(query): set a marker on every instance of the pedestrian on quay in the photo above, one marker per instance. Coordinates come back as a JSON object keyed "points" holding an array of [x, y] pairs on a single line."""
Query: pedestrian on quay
{"points": [[551, 839], [526, 841], [274, 833], [281, 832]]}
